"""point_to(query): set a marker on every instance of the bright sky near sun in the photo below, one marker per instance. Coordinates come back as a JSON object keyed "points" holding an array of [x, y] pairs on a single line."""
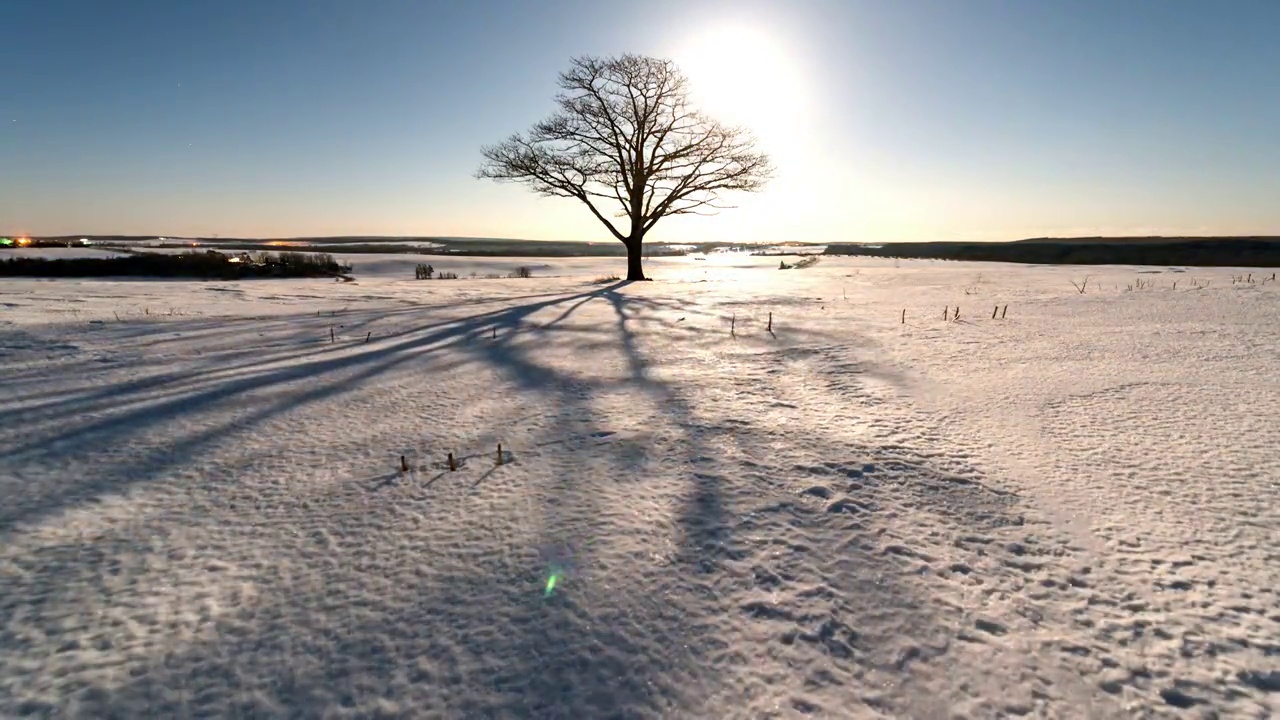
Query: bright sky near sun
{"points": [[914, 120]]}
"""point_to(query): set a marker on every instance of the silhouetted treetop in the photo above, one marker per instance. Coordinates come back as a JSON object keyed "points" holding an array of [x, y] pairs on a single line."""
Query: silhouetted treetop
{"points": [[625, 138]]}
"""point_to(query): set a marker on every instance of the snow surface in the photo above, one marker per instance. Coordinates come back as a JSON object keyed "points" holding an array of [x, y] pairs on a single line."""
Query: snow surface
{"points": [[1069, 511]]}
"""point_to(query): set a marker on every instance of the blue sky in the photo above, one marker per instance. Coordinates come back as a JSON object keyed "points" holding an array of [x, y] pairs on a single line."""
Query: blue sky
{"points": [[981, 119]]}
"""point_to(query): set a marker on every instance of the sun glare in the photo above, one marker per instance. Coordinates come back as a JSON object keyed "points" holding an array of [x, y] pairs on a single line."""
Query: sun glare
{"points": [[745, 76], [756, 75]]}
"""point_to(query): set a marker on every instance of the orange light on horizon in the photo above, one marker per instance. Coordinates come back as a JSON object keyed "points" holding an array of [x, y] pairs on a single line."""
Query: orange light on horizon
{"points": [[24, 241]]}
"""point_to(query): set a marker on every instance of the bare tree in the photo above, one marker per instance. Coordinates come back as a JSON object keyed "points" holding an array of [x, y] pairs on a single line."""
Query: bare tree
{"points": [[625, 133]]}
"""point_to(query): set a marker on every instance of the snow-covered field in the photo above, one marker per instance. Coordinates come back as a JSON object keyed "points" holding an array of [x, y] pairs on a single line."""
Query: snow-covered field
{"points": [[1068, 511]]}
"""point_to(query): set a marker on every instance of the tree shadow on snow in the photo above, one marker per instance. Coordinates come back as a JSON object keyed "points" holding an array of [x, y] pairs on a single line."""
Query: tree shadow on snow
{"points": [[555, 665], [250, 391], [456, 629]]}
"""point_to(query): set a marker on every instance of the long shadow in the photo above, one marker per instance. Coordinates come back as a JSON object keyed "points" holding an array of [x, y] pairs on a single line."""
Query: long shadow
{"points": [[635, 656], [226, 389], [703, 516], [636, 651], [228, 363], [432, 336]]}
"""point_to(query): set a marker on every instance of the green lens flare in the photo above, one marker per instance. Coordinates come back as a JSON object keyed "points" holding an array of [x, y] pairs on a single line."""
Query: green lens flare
{"points": [[551, 585]]}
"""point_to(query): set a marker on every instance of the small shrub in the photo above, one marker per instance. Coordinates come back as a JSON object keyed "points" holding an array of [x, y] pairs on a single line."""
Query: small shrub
{"points": [[523, 271], [606, 280], [447, 276]]}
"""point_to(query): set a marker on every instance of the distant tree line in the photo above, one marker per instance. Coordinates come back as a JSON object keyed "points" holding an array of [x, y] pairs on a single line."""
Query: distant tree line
{"points": [[466, 248], [1221, 252], [209, 265]]}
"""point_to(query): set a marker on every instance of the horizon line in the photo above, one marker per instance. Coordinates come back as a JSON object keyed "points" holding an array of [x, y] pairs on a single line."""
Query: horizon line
{"points": [[216, 237]]}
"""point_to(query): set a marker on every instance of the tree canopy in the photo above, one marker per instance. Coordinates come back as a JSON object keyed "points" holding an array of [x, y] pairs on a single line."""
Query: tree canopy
{"points": [[625, 141]]}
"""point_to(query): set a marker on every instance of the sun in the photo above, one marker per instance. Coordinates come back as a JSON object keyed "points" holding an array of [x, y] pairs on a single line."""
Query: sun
{"points": [[744, 75]]}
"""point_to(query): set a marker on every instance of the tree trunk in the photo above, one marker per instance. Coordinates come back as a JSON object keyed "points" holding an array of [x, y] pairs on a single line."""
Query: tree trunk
{"points": [[635, 267]]}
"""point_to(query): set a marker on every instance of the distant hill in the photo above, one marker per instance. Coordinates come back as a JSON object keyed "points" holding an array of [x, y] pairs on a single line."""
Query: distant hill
{"points": [[1261, 251], [1240, 251], [426, 245], [357, 244], [1150, 239]]}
